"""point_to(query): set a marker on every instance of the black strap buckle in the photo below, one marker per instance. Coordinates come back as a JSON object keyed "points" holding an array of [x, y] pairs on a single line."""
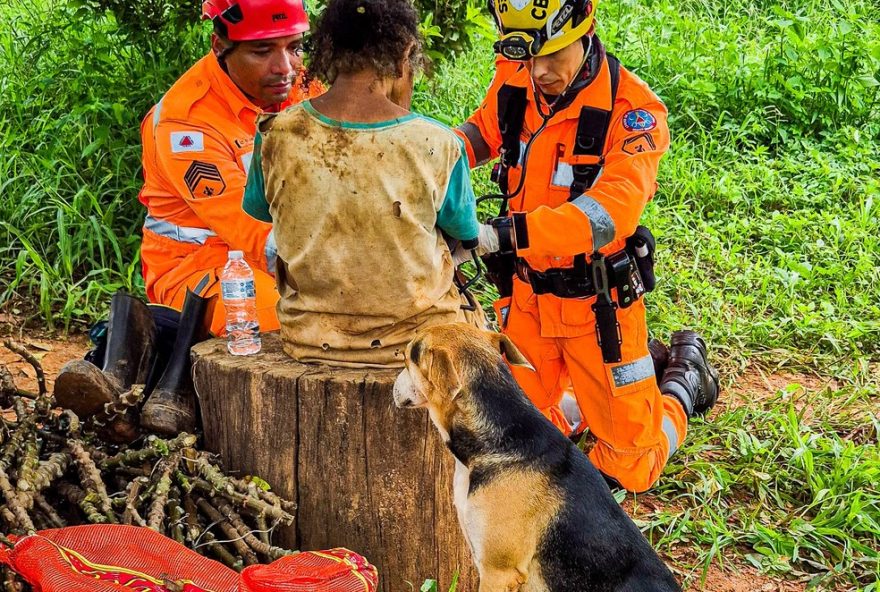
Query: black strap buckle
{"points": [[564, 283]]}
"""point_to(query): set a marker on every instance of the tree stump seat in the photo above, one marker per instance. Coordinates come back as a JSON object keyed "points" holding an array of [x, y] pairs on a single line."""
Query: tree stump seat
{"points": [[364, 474]]}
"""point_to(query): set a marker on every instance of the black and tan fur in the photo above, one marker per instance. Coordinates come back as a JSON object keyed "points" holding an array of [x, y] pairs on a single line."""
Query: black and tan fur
{"points": [[537, 515]]}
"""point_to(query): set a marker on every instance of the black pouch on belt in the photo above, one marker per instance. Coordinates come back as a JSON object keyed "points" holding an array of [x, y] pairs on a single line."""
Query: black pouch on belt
{"points": [[623, 274], [641, 245]]}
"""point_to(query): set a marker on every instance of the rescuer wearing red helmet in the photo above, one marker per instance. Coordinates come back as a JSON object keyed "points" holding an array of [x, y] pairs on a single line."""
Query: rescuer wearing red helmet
{"points": [[197, 146]]}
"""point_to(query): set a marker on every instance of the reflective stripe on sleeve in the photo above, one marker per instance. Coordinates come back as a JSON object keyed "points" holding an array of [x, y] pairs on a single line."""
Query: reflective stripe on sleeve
{"points": [[600, 221], [203, 283], [478, 144], [156, 113], [271, 252], [182, 234], [671, 436]]}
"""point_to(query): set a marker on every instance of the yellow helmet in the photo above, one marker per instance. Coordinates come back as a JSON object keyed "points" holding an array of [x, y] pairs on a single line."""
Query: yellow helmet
{"points": [[531, 28]]}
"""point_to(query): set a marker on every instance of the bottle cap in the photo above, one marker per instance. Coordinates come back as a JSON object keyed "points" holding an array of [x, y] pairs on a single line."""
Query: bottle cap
{"points": [[233, 255]]}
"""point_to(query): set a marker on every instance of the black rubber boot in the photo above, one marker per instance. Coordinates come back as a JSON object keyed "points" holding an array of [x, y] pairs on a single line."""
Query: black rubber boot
{"points": [[171, 408], [660, 356], [689, 377], [131, 332]]}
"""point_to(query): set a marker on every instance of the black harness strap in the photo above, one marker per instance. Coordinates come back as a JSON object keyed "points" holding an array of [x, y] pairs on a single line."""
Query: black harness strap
{"points": [[512, 101], [592, 131]]}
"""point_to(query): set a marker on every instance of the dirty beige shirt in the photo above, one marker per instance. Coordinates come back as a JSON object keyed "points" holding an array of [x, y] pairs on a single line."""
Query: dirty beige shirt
{"points": [[357, 211]]}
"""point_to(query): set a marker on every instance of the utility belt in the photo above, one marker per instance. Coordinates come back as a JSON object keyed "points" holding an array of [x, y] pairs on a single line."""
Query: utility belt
{"points": [[630, 271]]}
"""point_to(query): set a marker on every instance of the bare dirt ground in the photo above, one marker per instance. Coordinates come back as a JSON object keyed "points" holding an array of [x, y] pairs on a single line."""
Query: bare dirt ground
{"points": [[53, 351], [752, 386]]}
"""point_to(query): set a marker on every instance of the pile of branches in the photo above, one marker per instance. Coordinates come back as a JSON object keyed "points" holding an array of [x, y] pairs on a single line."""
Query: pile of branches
{"points": [[53, 474]]}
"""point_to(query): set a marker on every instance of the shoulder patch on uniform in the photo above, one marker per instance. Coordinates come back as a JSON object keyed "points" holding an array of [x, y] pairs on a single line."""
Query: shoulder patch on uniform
{"points": [[640, 143], [204, 180], [187, 142], [639, 120]]}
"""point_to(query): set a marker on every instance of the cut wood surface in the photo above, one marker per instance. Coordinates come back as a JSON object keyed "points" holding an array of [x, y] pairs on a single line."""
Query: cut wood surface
{"points": [[365, 475]]}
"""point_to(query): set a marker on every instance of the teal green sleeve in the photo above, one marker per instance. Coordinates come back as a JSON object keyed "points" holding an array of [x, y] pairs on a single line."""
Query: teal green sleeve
{"points": [[458, 214], [254, 203]]}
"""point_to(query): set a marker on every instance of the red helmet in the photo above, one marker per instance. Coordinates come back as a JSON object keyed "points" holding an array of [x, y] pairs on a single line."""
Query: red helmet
{"points": [[247, 20]]}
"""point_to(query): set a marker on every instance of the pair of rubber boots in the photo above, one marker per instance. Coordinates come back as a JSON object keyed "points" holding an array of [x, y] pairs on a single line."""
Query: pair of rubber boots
{"points": [[133, 357], [684, 372]]}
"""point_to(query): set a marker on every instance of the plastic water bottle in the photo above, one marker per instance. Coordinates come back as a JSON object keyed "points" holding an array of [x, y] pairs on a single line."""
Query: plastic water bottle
{"points": [[239, 297]]}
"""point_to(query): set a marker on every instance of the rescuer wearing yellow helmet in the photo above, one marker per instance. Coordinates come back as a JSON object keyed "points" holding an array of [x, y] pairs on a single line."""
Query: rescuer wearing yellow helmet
{"points": [[579, 139]]}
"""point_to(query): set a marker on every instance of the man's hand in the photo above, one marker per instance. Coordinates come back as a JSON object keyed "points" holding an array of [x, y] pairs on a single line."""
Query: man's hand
{"points": [[488, 243], [460, 255], [488, 238]]}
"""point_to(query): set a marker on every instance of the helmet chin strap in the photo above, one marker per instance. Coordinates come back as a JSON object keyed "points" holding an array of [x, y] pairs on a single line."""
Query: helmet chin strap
{"points": [[574, 77]]}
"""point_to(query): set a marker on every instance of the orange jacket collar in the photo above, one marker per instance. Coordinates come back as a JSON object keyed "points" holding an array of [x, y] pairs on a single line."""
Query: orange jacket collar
{"points": [[596, 94]]}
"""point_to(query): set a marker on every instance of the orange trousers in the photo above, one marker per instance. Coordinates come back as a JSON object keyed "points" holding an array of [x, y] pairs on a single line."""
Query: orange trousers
{"points": [[206, 283], [636, 427]]}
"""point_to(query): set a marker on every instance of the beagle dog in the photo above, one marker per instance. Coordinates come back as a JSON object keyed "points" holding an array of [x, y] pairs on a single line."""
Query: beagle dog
{"points": [[536, 513]]}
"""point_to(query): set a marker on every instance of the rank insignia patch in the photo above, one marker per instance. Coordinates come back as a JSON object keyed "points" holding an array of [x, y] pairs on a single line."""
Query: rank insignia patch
{"points": [[639, 120], [204, 180], [638, 144]]}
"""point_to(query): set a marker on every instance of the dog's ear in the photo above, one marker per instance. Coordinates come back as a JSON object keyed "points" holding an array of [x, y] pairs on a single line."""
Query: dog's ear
{"points": [[442, 374], [506, 347]]}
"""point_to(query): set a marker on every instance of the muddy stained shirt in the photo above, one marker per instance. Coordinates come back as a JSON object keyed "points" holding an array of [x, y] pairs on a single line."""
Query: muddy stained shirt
{"points": [[357, 210]]}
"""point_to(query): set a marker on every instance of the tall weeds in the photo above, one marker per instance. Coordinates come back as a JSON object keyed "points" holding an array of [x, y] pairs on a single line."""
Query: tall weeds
{"points": [[74, 91]]}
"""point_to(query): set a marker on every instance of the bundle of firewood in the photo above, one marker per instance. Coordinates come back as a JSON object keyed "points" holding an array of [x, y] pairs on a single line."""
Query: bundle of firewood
{"points": [[53, 474]]}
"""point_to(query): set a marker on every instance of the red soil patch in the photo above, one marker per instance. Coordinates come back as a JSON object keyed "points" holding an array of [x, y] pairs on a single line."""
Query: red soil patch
{"points": [[741, 578], [51, 351]]}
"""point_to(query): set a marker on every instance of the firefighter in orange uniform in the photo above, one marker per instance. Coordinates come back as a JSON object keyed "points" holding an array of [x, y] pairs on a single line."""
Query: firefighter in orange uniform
{"points": [[197, 146], [580, 139]]}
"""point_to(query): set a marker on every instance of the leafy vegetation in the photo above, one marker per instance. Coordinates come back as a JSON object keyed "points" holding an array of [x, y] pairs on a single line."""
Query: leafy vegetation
{"points": [[767, 216], [767, 219], [76, 77]]}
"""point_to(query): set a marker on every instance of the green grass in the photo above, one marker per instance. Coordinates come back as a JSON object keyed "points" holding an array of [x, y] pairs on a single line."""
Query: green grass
{"points": [[794, 497], [767, 218], [74, 92]]}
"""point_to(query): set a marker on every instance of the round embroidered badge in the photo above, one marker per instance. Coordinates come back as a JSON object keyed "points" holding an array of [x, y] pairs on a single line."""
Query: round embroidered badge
{"points": [[639, 120]]}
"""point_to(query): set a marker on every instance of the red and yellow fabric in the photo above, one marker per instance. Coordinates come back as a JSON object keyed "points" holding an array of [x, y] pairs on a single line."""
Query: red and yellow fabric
{"points": [[118, 558], [197, 148], [637, 428]]}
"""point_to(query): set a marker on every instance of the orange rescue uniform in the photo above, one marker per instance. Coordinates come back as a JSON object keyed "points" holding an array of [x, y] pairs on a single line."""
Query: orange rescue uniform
{"points": [[636, 427], [197, 147]]}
